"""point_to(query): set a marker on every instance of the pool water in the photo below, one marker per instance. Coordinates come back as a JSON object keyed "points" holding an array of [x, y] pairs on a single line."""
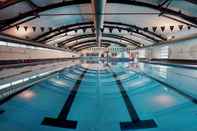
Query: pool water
{"points": [[107, 97]]}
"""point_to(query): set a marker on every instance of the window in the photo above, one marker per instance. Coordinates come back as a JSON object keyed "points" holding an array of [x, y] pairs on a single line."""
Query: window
{"points": [[164, 52], [2, 43], [142, 53]]}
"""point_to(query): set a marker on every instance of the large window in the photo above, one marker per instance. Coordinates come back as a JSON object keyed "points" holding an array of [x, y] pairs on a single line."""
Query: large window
{"points": [[3, 43], [142, 53], [164, 52]]}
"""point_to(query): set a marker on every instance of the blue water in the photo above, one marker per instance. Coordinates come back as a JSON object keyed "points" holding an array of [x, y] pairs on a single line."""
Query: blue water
{"points": [[99, 105]]}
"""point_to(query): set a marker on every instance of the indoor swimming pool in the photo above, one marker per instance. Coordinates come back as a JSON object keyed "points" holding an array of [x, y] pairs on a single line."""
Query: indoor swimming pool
{"points": [[106, 97]]}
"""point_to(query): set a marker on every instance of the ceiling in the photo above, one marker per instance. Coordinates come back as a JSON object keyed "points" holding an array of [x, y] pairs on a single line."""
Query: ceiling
{"points": [[72, 24]]}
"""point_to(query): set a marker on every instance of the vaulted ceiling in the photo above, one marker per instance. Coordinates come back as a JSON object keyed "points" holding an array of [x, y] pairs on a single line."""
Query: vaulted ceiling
{"points": [[80, 24]]}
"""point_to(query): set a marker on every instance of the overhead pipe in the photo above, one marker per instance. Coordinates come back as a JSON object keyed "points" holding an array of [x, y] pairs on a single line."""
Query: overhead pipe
{"points": [[99, 8]]}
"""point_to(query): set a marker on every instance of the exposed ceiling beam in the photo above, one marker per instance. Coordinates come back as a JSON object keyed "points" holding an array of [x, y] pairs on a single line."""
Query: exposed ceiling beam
{"points": [[84, 44], [192, 1], [178, 20], [164, 2], [161, 9], [98, 8], [19, 23], [136, 28], [76, 38], [8, 22], [117, 37], [102, 43], [131, 28], [89, 46], [94, 41], [32, 4], [48, 38], [127, 29], [65, 28], [133, 42], [9, 3], [133, 31]]}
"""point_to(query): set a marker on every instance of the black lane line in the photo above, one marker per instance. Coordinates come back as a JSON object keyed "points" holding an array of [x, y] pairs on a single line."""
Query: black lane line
{"points": [[189, 97], [61, 121], [182, 93], [1, 112], [136, 123]]}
